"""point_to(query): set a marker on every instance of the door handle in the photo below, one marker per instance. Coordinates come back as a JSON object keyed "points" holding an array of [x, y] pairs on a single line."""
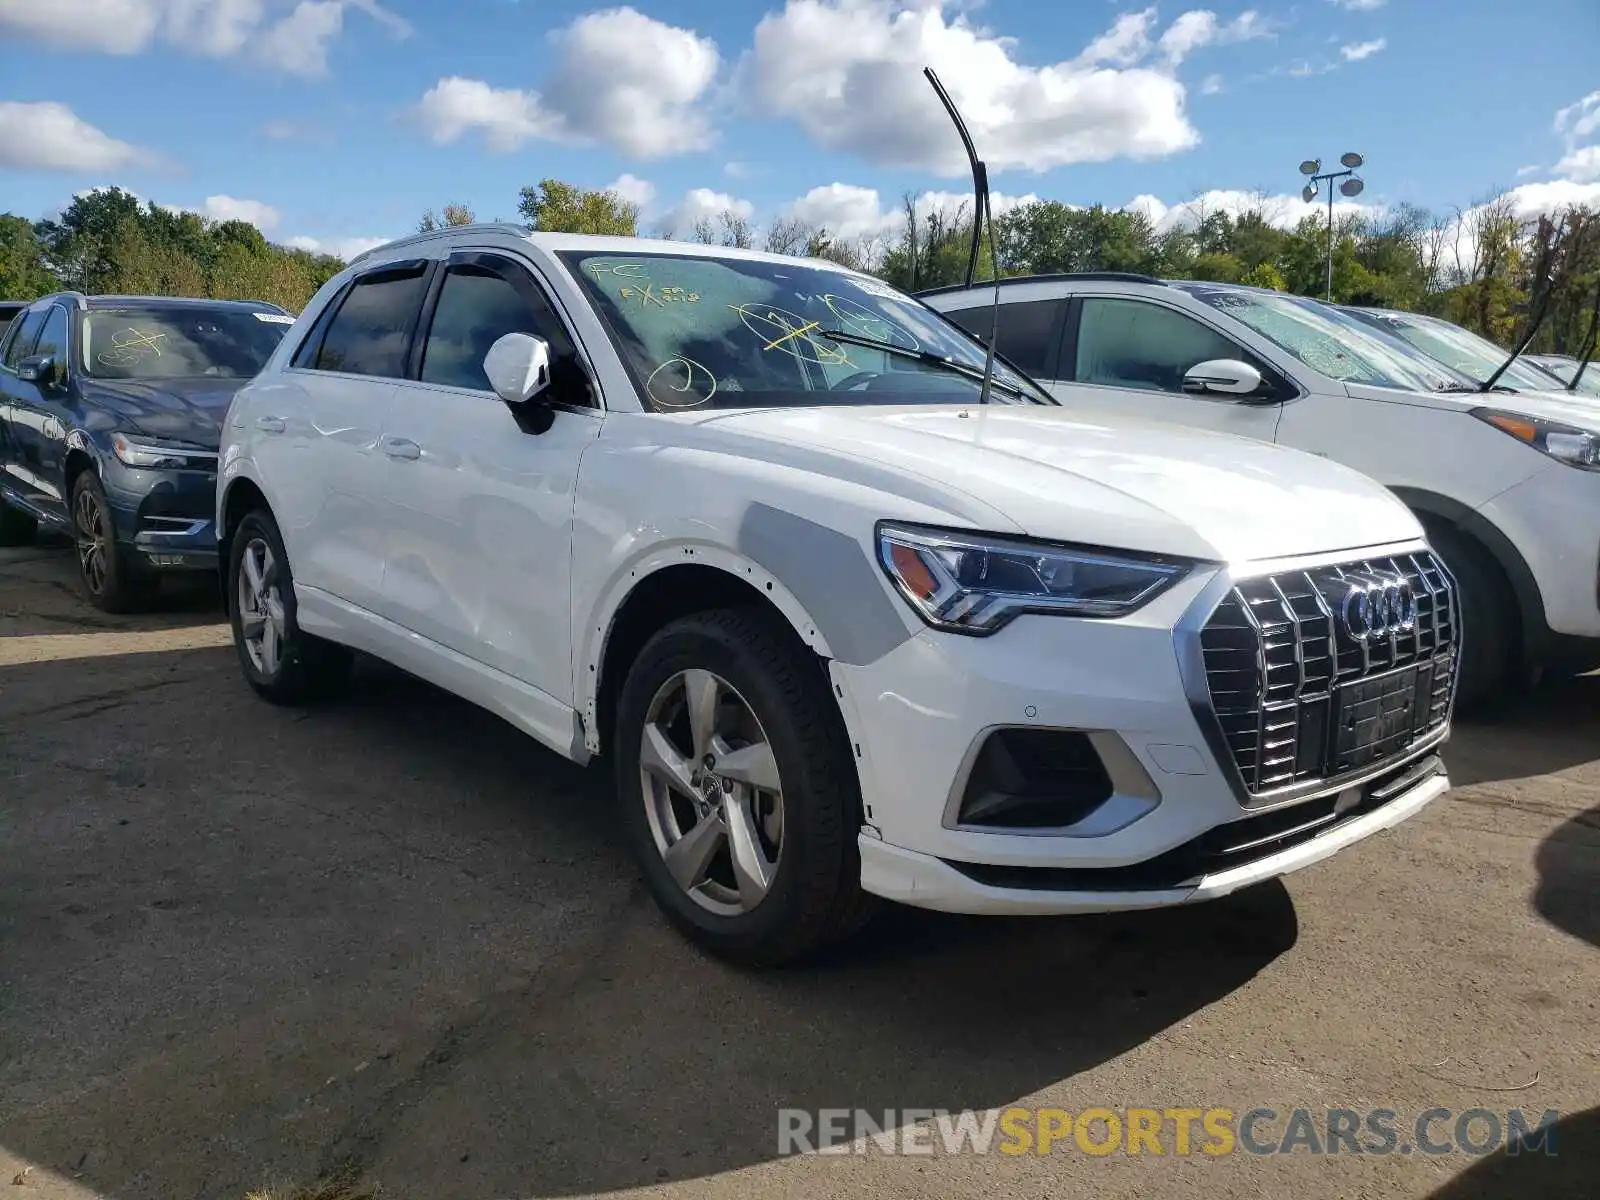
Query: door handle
{"points": [[403, 448], [271, 424]]}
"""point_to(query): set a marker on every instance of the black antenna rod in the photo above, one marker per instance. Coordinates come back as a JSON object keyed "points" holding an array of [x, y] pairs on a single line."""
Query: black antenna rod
{"points": [[982, 212], [1588, 342], [980, 173]]}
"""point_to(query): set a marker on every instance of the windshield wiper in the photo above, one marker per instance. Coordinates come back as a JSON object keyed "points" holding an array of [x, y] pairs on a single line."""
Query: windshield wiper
{"points": [[926, 357]]}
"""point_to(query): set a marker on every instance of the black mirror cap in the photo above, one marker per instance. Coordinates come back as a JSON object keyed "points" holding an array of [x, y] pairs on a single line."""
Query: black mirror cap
{"points": [[38, 368]]}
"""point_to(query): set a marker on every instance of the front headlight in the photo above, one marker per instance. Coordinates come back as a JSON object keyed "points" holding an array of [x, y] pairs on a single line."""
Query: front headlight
{"points": [[1566, 443], [154, 454], [976, 583]]}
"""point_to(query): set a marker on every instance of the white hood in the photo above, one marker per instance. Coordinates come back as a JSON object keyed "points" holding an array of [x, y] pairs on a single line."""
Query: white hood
{"points": [[1565, 407], [1130, 485]]}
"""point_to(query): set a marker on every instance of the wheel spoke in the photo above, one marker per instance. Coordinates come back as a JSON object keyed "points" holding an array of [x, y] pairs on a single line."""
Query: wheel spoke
{"points": [[700, 690], [689, 858], [269, 648], [662, 759], [251, 624], [750, 867], [252, 571], [751, 765]]}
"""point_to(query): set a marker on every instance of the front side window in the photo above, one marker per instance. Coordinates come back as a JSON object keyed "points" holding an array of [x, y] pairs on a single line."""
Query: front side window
{"points": [[476, 308], [53, 337], [1134, 344], [1319, 337], [372, 329], [137, 341], [27, 333], [702, 331], [1027, 331]]}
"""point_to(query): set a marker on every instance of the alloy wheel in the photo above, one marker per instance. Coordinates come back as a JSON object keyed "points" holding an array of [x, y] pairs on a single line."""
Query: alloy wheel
{"points": [[93, 536], [712, 792], [261, 615]]}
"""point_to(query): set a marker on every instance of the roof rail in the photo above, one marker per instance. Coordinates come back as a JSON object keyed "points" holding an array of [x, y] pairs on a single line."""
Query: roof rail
{"points": [[1055, 277], [510, 227]]}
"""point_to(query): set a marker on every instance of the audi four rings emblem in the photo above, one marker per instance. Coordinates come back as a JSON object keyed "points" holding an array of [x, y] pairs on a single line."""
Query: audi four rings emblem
{"points": [[1377, 606]]}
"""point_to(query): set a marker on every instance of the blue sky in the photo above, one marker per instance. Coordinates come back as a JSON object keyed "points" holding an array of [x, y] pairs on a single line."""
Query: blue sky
{"points": [[330, 122]]}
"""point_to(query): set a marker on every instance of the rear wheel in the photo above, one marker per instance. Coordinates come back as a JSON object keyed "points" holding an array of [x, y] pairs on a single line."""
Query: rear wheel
{"points": [[1491, 624], [282, 662], [737, 789]]}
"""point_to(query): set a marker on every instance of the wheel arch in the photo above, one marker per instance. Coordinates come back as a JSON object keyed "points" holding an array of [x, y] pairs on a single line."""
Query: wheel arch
{"points": [[241, 495], [1434, 510], [667, 584]]}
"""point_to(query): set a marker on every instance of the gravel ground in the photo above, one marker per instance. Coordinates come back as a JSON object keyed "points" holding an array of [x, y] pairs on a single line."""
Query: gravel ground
{"points": [[241, 945]]}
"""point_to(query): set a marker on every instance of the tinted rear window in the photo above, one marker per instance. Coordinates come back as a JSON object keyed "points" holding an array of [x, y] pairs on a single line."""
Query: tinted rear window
{"points": [[370, 332]]}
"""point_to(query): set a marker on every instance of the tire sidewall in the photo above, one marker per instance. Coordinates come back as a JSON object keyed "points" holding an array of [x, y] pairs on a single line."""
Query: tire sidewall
{"points": [[810, 799], [1490, 631], [259, 524], [119, 592]]}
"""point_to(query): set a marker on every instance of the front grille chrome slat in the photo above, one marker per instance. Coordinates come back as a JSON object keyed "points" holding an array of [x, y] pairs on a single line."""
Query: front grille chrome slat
{"points": [[1277, 653]]}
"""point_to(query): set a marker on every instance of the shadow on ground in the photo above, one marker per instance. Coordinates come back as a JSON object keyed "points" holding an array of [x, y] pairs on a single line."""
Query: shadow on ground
{"points": [[41, 593], [1555, 726], [397, 933]]}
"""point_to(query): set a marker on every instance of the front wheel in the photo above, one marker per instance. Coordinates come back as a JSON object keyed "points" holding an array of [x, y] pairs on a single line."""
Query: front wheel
{"points": [[111, 583], [281, 662], [1491, 628], [737, 789]]}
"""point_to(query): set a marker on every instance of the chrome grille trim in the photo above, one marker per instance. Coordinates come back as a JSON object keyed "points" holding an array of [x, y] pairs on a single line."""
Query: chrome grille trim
{"points": [[1266, 656]]}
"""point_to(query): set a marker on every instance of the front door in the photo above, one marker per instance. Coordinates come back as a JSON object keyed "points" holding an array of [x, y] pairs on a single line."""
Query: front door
{"points": [[480, 511], [1128, 356]]}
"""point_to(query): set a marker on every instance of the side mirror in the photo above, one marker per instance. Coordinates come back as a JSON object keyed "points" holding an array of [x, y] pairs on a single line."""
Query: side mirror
{"points": [[1226, 375], [518, 367], [38, 368]]}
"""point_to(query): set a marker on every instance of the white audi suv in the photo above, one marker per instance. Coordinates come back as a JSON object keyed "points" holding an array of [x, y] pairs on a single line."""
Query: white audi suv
{"points": [[848, 621]]}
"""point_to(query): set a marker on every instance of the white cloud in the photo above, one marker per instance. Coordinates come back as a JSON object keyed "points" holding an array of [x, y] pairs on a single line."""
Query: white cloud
{"points": [[1360, 5], [850, 73], [1527, 170], [226, 208], [345, 248], [703, 203], [736, 170], [620, 79], [49, 136], [1279, 210], [296, 40], [633, 189], [1356, 51], [1200, 27], [1581, 165], [848, 211], [1211, 85], [1581, 119]]}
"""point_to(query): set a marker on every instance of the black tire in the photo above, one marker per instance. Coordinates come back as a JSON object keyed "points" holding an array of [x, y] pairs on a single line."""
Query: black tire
{"points": [[305, 668], [109, 579], [815, 897], [1491, 625], [16, 527]]}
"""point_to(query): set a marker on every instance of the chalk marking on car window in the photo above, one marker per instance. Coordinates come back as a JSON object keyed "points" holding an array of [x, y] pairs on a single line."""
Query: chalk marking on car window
{"points": [[690, 370], [859, 319], [130, 346], [628, 270], [790, 333]]}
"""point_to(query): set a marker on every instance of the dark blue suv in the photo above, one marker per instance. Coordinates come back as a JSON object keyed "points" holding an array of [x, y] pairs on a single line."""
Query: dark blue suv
{"points": [[110, 415]]}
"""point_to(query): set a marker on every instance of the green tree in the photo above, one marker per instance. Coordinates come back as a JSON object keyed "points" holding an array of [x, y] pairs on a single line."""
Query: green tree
{"points": [[23, 274], [558, 207], [451, 215]]}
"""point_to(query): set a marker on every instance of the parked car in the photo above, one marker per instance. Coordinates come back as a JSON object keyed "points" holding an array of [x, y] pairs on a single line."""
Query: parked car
{"points": [[110, 410], [1507, 486], [742, 523], [1472, 355], [8, 311], [1563, 368]]}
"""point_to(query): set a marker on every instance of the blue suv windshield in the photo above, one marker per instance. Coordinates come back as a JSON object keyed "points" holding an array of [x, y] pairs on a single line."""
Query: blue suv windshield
{"points": [[179, 342]]}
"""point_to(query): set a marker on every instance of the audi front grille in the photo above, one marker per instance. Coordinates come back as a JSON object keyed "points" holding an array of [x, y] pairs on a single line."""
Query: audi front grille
{"points": [[1317, 674]]}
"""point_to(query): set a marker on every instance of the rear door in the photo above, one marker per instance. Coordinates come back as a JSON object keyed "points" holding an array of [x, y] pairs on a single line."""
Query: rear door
{"points": [[479, 512], [18, 451], [319, 431]]}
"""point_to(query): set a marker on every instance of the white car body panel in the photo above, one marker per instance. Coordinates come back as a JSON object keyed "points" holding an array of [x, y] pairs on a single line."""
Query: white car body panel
{"points": [[494, 562]]}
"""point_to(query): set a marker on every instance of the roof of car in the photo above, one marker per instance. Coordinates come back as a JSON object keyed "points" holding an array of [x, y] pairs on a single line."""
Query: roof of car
{"points": [[118, 301], [1052, 277]]}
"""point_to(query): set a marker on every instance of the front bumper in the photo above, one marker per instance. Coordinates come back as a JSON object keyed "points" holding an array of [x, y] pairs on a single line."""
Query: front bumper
{"points": [[917, 715], [1553, 520], [165, 520]]}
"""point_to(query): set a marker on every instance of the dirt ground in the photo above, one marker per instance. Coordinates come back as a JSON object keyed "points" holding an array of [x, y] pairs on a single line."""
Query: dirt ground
{"points": [[241, 945]]}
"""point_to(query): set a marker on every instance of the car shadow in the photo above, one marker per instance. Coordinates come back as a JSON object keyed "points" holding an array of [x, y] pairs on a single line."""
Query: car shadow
{"points": [[41, 594], [1568, 862], [438, 964], [1555, 726]]}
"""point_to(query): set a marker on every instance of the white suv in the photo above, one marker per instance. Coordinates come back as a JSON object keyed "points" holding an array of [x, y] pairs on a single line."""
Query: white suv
{"points": [[741, 523], [1506, 484]]}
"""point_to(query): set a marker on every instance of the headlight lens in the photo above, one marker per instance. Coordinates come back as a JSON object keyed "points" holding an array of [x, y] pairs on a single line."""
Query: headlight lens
{"points": [[975, 583], [1567, 443], [150, 453]]}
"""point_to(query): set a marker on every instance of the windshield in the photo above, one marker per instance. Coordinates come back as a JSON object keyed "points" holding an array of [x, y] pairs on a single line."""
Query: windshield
{"points": [[1340, 349], [1460, 349], [179, 342], [698, 331], [1565, 368]]}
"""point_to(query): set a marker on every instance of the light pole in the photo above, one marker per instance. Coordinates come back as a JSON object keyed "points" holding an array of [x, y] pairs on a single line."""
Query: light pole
{"points": [[1351, 186]]}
